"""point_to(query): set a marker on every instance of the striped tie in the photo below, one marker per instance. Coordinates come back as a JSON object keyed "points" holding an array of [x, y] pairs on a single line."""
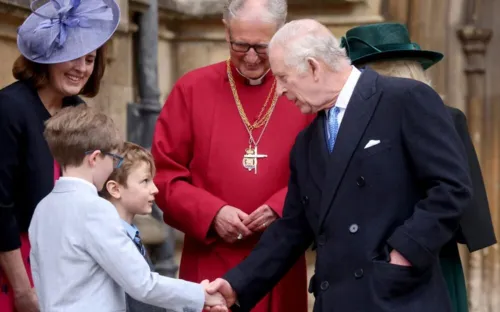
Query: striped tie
{"points": [[138, 243]]}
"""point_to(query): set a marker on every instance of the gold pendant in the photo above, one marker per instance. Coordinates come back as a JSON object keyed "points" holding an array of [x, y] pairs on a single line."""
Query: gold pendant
{"points": [[251, 157]]}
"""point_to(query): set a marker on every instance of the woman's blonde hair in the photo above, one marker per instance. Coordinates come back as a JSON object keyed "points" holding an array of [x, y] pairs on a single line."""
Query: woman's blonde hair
{"points": [[401, 68]]}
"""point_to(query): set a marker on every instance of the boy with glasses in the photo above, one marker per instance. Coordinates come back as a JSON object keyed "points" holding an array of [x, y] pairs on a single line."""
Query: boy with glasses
{"points": [[82, 259]]}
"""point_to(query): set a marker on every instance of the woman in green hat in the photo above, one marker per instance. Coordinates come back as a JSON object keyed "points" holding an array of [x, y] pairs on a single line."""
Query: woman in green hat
{"points": [[387, 49]]}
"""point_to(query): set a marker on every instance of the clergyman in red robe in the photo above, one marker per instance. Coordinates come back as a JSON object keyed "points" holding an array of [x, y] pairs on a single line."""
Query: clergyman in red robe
{"points": [[221, 147]]}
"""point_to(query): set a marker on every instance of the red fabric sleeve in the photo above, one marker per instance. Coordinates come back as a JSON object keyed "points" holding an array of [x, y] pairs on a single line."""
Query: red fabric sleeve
{"points": [[277, 201], [188, 208]]}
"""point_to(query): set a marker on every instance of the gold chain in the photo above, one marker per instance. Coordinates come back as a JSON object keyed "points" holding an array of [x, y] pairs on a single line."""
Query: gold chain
{"points": [[260, 121]]}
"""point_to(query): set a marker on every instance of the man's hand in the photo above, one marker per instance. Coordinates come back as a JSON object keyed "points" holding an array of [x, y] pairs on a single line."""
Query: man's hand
{"points": [[26, 301], [398, 259], [214, 301], [227, 223], [223, 287], [260, 219]]}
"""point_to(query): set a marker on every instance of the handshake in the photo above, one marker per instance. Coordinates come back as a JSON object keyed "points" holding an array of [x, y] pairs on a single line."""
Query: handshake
{"points": [[219, 295]]}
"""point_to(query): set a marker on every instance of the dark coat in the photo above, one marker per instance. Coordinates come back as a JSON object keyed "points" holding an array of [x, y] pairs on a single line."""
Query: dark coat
{"points": [[476, 228], [406, 193], [26, 164]]}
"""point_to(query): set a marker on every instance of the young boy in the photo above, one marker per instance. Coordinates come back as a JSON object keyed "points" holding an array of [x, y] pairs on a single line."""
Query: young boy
{"points": [[82, 259], [131, 190]]}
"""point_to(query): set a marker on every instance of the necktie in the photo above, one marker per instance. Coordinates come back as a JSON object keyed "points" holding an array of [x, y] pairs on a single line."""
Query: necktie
{"points": [[138, 243], [333, 127]]}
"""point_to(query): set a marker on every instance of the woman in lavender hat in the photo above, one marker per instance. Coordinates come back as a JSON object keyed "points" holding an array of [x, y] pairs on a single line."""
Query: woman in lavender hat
{"points": [[62, 56]]}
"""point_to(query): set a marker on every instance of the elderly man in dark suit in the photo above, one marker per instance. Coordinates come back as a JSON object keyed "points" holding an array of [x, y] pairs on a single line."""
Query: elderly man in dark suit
{"points": [[378, 184], [387, 49]]}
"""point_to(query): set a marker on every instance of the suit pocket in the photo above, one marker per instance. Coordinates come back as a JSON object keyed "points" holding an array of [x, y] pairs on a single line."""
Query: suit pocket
{"points": [[372, 150], [390, 281]]}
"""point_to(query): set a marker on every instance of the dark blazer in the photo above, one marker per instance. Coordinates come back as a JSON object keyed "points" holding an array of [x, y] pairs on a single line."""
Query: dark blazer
{"points": [[476, 228], [26, 164], [406, 193]]}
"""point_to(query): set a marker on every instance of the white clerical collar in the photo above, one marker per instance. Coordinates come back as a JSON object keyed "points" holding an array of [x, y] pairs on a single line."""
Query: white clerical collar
{"points": [[255, 81]]}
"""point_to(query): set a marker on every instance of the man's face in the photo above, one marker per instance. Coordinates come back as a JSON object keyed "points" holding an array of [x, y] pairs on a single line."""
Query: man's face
{"points": [[252, 62], [298, 87]]}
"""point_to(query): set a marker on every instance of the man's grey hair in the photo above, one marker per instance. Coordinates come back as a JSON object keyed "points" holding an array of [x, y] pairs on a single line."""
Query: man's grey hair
{"points": [[272, 11], [303, 39]]}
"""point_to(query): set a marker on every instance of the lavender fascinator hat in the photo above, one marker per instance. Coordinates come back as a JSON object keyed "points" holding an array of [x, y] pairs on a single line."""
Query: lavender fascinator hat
{"points": [[63, 30]]}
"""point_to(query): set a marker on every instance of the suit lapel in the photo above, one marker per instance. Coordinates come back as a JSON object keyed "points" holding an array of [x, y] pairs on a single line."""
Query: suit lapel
{"points": [[318, 154], [356, 118]]}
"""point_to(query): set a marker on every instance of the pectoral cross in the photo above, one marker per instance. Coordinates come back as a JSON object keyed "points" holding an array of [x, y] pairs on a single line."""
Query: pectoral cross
{"points": [[251, 157]]}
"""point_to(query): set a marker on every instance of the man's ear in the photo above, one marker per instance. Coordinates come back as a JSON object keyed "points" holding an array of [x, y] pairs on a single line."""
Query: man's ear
{"points": [[113, 189], [314, 67]]}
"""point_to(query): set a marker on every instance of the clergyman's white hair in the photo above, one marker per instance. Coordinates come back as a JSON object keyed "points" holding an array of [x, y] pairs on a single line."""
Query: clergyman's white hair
{"points": [[272, 11], [306, 38]]}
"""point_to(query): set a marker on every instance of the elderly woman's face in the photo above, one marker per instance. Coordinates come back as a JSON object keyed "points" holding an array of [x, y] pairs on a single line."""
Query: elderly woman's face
{"points": [[70, 77]]}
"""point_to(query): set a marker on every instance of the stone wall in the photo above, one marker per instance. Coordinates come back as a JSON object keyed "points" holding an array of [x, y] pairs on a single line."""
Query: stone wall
{"points": [[191, 41], [191, 35], [468, 81], [188, 42]]}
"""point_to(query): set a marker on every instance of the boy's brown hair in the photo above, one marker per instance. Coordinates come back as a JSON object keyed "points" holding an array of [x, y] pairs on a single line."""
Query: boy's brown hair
{"points": [[76, 130], [133, 155]]}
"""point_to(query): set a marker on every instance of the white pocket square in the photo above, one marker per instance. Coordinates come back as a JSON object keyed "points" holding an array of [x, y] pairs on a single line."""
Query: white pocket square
{"points": [[371, 143]]}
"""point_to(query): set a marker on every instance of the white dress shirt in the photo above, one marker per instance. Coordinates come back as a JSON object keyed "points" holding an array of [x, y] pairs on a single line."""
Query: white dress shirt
{"points": [[82, 259], [344, 97]]}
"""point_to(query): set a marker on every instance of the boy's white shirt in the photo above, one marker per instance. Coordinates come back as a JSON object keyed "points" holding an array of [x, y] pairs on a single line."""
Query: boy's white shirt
{"points": [[82, 259], [79, 180]]}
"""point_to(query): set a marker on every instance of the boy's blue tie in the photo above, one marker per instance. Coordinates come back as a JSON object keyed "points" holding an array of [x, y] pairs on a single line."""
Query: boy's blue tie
{"points": [[138, 242], [333, 127]]}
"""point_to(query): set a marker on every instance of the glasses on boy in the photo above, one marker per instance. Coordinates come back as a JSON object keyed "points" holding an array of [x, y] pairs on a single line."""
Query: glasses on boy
{"points": [[117, 159]]}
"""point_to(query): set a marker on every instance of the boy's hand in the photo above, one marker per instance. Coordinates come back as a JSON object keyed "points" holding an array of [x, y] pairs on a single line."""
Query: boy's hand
{"points": [[215, 300]]}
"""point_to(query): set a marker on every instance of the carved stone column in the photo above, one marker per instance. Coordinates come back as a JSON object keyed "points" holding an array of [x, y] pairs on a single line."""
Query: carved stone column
{"points": [[481, 121]]}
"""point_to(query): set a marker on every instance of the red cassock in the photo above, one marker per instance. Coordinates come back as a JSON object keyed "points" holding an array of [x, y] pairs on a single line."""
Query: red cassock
{"points": [[198, 147]]}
